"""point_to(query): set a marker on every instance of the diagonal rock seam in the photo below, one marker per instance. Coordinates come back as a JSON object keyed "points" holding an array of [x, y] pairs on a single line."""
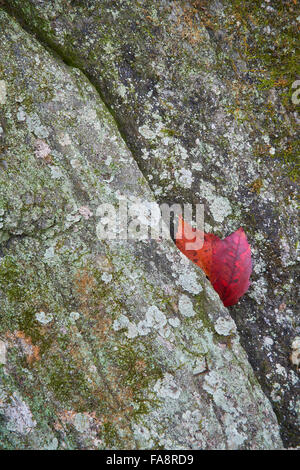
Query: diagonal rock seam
{"points": [[18, 408], [58, 52]]}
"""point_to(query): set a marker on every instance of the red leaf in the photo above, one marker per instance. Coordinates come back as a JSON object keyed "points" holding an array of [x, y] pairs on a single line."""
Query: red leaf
{"points": [[202, 257], [227, 263], [232, 267]]}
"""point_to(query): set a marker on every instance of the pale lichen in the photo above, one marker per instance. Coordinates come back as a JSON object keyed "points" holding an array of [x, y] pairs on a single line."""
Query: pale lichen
{"points": [[3, 92]]}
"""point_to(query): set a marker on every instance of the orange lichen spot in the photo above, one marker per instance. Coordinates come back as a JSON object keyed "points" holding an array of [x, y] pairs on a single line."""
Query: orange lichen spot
{"points": [[84, 281], [24, 343], [188, 20], [140, 365], [84, 284], [64, 417], [102, 327], [281, 82], [256, 186], [69, 417]]}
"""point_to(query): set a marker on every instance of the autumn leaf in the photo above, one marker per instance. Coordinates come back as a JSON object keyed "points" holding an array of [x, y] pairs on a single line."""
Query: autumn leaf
{"points": [[201, 257], [226, 263]]}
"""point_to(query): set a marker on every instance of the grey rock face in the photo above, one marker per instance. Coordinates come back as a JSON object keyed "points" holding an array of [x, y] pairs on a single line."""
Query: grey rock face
{"points": [[97, 348], [101, 327]]}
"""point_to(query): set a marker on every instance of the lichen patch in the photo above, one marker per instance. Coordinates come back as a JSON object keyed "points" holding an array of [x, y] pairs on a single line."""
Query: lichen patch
{"points": [[3, 95]]}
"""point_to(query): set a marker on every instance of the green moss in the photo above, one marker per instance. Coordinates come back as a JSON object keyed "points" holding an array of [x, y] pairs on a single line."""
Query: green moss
{"points": [[200, 307], [110, 435], [275, 54], [10, 279], [290, 155], [272, 63], [256, 185], [65, 379], [138, 371], [170, 132]]}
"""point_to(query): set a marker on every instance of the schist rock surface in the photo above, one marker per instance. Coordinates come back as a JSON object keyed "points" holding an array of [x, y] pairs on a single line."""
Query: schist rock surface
{"points": [[124, 344]]}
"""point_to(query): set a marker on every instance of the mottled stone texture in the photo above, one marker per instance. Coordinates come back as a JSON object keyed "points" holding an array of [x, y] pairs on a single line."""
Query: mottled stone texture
{"points": [[94, 355]]}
